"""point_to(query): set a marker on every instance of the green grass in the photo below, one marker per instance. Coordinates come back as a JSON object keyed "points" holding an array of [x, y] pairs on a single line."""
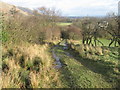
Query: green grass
{"points": [[83, 72], [104, 41], [4, 36], [63, 24]]}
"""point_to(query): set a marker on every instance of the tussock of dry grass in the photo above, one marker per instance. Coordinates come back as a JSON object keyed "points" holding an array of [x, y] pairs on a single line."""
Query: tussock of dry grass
{"points": [[98, 50], [39, 74], [88, 49]]}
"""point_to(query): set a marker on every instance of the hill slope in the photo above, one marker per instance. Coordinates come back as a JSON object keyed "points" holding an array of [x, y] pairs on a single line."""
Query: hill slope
{"points": [[5, 8]]}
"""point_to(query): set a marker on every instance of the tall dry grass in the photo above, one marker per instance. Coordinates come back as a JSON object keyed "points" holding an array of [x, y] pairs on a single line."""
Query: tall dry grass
{"points": [[28, 65]]}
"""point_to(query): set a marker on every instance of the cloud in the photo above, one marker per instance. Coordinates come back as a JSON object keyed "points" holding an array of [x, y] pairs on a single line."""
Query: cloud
{"points": [[71, 7]]}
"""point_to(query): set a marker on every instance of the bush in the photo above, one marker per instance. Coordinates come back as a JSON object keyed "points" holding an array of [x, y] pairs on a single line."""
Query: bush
{"points": [[64, 35]]}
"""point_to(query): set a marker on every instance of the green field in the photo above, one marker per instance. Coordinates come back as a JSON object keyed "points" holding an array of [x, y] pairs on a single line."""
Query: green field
{"points": [[104, 41], [64, 24]]}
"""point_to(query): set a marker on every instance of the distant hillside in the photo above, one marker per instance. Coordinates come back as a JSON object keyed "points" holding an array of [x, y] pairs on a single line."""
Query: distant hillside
{"points": [[5, 8], [26, 10]]}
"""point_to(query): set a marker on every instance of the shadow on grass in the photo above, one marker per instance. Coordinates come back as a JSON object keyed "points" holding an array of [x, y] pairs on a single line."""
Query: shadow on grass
{"points": [[114, 56], [97, 66], [68, 78]]}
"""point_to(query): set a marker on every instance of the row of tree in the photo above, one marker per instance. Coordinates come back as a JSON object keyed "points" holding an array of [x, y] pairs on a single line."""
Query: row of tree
{"points": [[95, 28]]}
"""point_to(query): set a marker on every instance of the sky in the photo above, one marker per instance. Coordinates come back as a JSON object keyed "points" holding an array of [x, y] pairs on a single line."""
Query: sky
{"points": [[72, 7]]}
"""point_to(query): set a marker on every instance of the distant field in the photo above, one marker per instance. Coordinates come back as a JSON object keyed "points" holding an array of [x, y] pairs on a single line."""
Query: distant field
{"points": [[104, 41], [63, 24]]}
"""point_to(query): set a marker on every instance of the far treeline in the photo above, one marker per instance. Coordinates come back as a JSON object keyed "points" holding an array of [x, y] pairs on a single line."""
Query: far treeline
{"points": [[42, 26]]}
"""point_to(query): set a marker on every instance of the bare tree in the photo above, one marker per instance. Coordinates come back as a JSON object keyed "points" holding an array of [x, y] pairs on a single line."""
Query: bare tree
{"points": [[113, 29]]}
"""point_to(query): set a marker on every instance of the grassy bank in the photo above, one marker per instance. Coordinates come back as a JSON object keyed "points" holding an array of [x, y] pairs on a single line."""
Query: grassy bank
{"points": [[88, 71]]}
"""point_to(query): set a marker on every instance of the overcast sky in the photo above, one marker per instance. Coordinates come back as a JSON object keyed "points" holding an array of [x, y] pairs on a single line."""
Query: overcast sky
{"points": [[72, 7]]}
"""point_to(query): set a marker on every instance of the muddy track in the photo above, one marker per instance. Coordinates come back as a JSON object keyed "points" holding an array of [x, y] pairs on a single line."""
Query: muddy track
{"points": [[57, 59]]}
